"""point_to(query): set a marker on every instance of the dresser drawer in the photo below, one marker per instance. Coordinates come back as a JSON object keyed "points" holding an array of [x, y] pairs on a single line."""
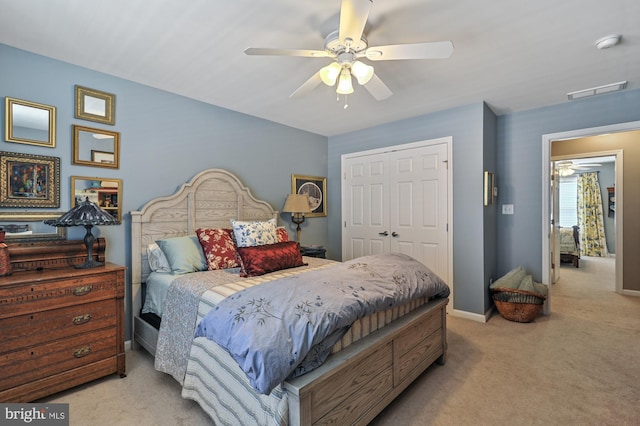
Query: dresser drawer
{"points": [[41, 327], [47, 359], [51, 294]]}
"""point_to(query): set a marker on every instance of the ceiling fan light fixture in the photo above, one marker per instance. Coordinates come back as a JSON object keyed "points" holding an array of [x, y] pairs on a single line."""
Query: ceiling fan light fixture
{"points": [[329, 74], [565, 171], [362, 72], [345, 87]]}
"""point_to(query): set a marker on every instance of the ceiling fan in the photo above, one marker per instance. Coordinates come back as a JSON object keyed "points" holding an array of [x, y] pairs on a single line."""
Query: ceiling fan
{"points": [[347, 45], [568, 167]]}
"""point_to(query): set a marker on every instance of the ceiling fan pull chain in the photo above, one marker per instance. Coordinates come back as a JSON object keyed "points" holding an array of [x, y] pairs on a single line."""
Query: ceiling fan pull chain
{"points": [[346, 105]]}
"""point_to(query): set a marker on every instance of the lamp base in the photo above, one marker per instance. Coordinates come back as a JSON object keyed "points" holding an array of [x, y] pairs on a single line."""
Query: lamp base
{"points": [[89, 263], [89, 239], [297, 220]]}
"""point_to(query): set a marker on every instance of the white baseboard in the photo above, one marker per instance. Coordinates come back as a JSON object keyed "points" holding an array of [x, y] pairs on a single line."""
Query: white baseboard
{"points": [[635, 293], [127, 345], [471, 316]]}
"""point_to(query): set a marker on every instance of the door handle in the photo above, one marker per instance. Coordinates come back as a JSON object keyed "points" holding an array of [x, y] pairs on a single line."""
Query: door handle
{"points": [[385, 233], [394, 234]]}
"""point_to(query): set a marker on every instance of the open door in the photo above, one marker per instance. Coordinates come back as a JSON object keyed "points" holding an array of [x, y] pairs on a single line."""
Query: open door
{"points": [[555, 227]]}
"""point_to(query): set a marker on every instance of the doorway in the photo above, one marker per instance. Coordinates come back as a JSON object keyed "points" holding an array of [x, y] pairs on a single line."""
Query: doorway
{"points": [[547, 205], [584, 229]]}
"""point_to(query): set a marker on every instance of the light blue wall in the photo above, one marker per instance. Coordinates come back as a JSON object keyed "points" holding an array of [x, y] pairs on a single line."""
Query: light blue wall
{"points": [[165, 140], [520, 167], [465, 124]]}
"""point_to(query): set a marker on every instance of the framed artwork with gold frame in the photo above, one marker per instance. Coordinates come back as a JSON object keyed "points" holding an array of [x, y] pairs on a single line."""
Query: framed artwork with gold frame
{"points": [[29, 180]]}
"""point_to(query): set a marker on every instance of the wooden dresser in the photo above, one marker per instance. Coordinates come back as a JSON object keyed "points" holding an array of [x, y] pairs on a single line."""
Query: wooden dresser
{"points": [[59, 326]]}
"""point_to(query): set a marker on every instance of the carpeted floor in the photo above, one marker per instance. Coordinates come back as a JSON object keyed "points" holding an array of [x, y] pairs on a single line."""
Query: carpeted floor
{"points": [[578, 366]]}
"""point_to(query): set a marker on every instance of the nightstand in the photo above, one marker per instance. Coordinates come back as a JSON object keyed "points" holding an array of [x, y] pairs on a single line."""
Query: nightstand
{"points": [[313, 251]]}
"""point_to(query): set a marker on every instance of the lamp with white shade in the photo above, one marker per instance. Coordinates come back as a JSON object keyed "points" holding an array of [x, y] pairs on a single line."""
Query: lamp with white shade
{"points": [[297, 205]]}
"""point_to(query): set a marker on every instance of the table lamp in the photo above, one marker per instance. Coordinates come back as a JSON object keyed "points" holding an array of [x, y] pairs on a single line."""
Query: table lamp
{"points": [[297, 205], [86, 214]]}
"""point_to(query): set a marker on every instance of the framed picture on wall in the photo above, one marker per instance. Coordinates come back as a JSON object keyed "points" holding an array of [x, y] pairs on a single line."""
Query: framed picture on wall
{"points": [[316, 188], [29, 180]]}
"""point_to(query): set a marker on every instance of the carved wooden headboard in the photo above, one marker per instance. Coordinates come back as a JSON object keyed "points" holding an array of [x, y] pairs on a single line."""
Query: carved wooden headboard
{"points": [[210, 200]]}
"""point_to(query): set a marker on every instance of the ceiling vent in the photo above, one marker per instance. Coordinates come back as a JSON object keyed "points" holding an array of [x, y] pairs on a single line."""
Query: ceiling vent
{"points": [[607, 88]]}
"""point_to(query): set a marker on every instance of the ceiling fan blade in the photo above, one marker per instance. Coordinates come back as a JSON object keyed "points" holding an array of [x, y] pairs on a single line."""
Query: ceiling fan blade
{"points": [[307, 86], [378, 89], [353, 18], [584, 165], [431, 50], [287, 52]]}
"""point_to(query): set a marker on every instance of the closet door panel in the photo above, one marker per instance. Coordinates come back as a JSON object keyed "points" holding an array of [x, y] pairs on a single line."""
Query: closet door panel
{"points": [[366, 206]]}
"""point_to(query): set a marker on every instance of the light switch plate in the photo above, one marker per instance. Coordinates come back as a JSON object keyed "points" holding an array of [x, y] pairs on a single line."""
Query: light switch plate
{"points": [[507, 209]]}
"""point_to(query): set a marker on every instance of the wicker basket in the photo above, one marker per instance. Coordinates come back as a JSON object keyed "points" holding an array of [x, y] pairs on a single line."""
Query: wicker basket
{"points": [[517, 305]]}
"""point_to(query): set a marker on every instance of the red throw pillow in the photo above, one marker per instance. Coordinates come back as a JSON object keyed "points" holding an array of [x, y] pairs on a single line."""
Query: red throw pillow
{"points": [[218, 247], [259, 260], [282, 234]]}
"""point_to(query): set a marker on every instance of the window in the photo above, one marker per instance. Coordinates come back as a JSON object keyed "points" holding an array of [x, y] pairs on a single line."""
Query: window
{"points": [[568, 197]]}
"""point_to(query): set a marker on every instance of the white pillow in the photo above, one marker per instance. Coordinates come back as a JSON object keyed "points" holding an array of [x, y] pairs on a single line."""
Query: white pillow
{"points": [[158, 262], [254, 233]]}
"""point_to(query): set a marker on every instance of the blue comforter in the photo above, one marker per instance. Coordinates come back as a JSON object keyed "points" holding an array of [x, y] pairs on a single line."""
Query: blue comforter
{"points": [[287, 327]]}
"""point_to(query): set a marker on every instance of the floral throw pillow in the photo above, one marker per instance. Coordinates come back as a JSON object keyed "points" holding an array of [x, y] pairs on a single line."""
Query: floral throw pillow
{"points": [[218, 247], [282, 234], [254, 233]]}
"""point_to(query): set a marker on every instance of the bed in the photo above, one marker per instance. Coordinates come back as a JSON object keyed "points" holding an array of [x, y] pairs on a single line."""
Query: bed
{"points": [[570, 245], [377, 358]]}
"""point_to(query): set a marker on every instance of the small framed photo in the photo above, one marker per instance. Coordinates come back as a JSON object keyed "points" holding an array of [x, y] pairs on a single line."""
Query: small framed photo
{"points": [[316, 188], [29, 180], [94, 105]]}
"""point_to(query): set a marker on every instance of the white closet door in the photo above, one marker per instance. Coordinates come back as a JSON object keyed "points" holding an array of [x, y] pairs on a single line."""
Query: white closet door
{"points": [[397, 201], [418, 205], [366, 198]]}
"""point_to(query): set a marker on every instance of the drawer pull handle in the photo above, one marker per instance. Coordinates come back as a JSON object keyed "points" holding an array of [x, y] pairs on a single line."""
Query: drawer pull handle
{"points": [[82, 319], [82, 352], [81, 291]]}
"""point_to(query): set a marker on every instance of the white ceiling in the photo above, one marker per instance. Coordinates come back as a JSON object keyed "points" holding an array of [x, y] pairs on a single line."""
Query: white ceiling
{"points": [[515, 55]]}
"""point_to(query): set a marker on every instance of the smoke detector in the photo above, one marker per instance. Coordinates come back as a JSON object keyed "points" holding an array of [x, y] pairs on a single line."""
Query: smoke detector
{"points": [[608, 41]]}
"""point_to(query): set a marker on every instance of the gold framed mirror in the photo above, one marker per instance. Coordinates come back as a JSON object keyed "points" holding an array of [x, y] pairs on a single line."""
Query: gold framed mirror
{"points": [[95, 105], [30, 123], [105, 192], [29, 226], [96, 147]]}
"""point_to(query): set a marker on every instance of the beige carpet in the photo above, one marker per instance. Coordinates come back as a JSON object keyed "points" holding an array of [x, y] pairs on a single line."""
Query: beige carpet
{"points": [[578, 366]]}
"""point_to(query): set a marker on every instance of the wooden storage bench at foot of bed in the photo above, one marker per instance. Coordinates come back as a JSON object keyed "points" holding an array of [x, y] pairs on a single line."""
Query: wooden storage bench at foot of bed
{"points": [[355, 384]]}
